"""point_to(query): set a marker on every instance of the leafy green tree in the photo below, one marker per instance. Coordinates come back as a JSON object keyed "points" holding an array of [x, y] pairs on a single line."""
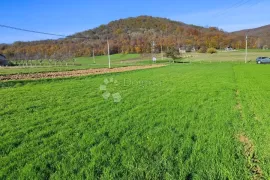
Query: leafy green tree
{"points": [[172, 53]]}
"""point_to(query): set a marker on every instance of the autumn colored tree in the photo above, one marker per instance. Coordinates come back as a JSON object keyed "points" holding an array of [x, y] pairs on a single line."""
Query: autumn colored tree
{"points": [[131, 35]]}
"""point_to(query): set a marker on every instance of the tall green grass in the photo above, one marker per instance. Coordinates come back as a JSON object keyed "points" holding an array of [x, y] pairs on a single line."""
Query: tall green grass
{"points": [[174, 122]]}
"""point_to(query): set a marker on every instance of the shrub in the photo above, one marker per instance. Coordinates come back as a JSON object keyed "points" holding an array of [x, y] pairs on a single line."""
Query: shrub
{"points": [[11, 63], [211, 50], [172, 53], [202, 50]]}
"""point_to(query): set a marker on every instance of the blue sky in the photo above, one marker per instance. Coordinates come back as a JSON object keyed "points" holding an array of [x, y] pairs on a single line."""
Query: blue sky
{"points": [[68, 17]]}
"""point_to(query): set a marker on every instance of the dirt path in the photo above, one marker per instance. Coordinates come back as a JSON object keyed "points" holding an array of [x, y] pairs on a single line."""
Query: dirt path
{"points": [[74, 73], [252, 160]]}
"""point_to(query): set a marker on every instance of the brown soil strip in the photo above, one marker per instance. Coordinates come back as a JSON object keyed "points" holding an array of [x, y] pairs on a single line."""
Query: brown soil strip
{"points": [[74, 73], [249, 150], [252, 160]]}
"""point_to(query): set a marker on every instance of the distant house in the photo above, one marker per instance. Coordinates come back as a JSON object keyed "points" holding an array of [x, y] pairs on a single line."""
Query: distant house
{"points": [[193, 49], [3, 60], [182, 51], [185, 49], [229, 48]]}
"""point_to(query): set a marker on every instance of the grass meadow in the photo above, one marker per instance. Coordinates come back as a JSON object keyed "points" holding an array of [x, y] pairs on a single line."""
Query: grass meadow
{"points": [[122, 60], [117, 60], [225, 56], [182, 121]]}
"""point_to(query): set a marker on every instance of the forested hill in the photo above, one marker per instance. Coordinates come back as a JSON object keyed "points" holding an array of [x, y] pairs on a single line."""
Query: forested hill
{"points": [[131, 35], [261, 33], [137, 34], [135, 26]]}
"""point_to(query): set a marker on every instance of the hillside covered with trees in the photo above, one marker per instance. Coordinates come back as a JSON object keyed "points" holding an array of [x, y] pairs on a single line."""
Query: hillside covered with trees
{"points": [[131, 35], [261, 33]]}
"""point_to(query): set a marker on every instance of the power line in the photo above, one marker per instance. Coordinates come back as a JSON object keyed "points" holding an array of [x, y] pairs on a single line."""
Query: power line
{"points": [[41, 32], [251, 31], [256, 3], [31, 31], [236, 5]]}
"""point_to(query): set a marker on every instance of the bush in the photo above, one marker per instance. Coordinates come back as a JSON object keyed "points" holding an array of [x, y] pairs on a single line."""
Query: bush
{"points": [[11, 63], [211, 50], [172, 53], [202, 50]]}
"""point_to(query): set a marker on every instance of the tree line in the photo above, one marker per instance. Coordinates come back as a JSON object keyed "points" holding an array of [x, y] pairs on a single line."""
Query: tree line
{"points": [[132, 35]]}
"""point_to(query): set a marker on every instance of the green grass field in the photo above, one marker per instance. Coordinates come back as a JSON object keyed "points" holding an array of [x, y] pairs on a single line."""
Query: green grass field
{"points": [[235, 56], [182, 121], [120, 60], [117, 60]]}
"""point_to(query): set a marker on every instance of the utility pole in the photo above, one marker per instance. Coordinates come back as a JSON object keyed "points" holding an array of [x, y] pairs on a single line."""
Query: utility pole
{"points": [[109, 57], [94, 56], [161, 52], [161, 45], [246, 49], [153, 48]]}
